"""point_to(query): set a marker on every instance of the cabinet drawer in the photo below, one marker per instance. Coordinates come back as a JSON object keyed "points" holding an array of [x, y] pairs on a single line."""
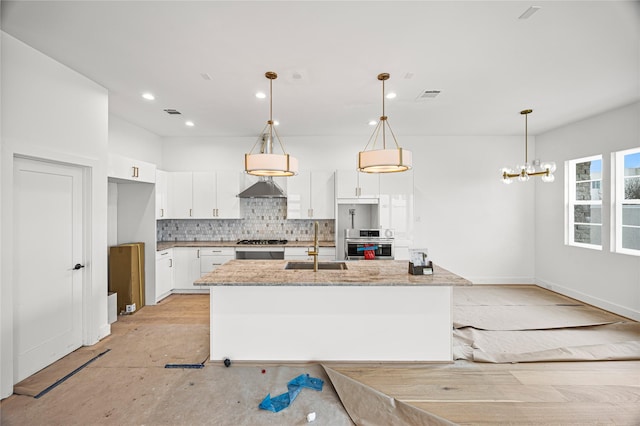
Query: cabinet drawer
{"points": [[217, 251], [209, 263], [163, 254]]}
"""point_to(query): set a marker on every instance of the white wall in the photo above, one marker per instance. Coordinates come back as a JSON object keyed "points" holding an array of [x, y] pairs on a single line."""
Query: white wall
{"points": [[128, 140], [602, 278], [471, 223], [52, 112]]}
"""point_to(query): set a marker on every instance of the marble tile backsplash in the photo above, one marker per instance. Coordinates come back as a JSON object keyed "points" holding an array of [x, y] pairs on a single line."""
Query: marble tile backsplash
{"points": [[262, 218]]}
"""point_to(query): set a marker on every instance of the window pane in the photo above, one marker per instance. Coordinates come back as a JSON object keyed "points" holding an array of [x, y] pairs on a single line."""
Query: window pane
{"points": [[631, 214], [632, 164], [587, 214], [587, 234], [588, 191], [631, 238], [589, 170], [632, 188]]}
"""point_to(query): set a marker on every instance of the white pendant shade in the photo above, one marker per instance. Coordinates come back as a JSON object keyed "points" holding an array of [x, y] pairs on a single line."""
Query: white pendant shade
{"points": [[385, 160], [270, 164]]}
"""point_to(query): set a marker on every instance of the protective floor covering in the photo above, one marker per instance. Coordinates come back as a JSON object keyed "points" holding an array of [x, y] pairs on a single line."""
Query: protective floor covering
{"points": [[530, 324]]}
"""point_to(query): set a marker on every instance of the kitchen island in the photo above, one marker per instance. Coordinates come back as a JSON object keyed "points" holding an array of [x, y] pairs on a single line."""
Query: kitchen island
{"points": [[373, 310]]}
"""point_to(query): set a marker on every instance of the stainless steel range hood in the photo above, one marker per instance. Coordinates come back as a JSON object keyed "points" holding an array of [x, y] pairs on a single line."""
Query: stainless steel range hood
{"points": [[264, 188]]}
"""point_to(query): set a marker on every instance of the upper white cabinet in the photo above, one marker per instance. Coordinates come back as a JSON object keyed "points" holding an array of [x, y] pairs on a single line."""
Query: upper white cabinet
{"points": [[180, 195], [353, 184], [204, 195], [396, 209], [161, 194], [124, 168], [311, 195]]}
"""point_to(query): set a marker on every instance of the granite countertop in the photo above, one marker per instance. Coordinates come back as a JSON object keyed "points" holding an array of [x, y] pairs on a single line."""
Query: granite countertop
{"points": [[358, 273], [164, 245]]}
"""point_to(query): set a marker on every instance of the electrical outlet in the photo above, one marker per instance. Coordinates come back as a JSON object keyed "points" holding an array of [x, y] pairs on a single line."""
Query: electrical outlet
{"points": [[130, 308]]}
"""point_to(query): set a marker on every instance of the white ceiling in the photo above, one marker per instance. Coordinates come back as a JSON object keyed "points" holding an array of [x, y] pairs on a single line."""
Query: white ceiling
{"points": [[570, 60]]}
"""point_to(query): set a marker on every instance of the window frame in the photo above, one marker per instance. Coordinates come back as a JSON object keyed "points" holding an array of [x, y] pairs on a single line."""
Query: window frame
{"points": [[619, 201], [571, 202]]}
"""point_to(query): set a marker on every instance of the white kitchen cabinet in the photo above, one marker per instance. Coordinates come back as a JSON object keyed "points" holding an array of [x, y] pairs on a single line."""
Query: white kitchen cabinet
{"points": [[180, 195], [164, 273], [205, 195], [161, 194], [327, 254], [186, 269], [213, 257], [311, 195], [353, 184], [128, 169]]}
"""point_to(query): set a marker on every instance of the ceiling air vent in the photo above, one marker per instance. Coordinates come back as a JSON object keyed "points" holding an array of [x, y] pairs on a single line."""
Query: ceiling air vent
{"points": [[172, 111], [428, 94]]}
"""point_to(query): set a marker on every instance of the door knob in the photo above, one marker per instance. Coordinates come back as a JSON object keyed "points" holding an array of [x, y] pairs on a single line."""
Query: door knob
{"points": [[78, 266]]}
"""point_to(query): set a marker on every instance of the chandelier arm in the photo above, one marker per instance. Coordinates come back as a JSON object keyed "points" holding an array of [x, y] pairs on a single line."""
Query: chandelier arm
{"points": [[393, 134], [279, 141], [259, 139], [375, 133]]}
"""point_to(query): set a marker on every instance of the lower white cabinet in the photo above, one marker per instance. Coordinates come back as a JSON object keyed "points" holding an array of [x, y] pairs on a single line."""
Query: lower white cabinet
{"points": [[186, 269], [164, 273], [212, 257], [327, 254]]}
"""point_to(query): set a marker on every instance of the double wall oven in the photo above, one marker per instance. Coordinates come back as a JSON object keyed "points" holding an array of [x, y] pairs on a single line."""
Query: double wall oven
{"points": [[360, 243]]}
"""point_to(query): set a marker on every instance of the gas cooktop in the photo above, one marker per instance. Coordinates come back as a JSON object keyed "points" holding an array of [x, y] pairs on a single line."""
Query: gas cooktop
{"points": [[262, 242]]}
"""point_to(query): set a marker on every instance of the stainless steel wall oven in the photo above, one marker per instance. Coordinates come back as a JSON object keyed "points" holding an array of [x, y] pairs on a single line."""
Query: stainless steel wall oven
{"points": [[358, 242]]}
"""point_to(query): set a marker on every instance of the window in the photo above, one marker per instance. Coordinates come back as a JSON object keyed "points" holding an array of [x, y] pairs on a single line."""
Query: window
{"points": [[627, 201], [584, 202]]}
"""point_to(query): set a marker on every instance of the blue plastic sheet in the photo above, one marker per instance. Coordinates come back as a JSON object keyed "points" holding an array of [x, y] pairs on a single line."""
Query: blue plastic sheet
{"points": [[280, 402]]}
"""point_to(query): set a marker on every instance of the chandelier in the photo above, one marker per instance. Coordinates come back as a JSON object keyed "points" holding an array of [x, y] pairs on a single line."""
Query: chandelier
{"points": [[265, 162], [385, 160], [523, 172]]}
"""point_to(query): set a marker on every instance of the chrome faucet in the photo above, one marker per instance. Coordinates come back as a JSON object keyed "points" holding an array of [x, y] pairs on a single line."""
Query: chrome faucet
{"points": [[316, 248]]}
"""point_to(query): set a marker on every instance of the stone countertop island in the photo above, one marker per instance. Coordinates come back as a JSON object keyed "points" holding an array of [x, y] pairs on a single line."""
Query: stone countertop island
{"points": [[357, 273], [372, 311]]}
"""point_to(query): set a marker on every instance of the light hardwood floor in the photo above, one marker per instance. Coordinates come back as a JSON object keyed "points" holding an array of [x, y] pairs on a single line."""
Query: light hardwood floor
{"points": [[558, 393]]}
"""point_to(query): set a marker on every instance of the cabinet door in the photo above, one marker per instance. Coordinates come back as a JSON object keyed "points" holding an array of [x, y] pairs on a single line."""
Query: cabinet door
{"points": [[186, 267], [164, 274], [161, 194], [180, 195], [369, 185], [120, 167], [353, 184], [299, 196], [227, 189], [396, 208], [322, 195], [204, 195]]}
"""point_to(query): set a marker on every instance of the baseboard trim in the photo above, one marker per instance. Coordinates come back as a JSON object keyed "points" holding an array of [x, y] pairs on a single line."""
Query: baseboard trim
{"points": [[595, 301]]}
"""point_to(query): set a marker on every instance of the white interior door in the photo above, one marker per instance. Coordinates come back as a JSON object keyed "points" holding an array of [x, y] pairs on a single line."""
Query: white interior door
{"points": [[47, 246]]}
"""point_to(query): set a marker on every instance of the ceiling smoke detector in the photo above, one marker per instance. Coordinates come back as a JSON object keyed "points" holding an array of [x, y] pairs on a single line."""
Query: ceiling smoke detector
{"points": [[172, 111], [428, 94]]}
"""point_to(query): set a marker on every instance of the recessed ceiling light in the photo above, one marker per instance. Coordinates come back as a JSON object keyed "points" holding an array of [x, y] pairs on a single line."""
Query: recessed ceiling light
{"points": [[391, 95], [373, 123], [261, 95], [189, 123], [148, 96]]}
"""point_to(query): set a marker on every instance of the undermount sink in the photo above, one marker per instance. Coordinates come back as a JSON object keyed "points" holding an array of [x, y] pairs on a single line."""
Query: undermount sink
{"points": [[322, 266]]}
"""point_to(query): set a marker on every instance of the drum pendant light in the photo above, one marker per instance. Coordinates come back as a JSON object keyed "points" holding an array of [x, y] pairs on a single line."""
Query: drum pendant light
{"points": [[265, 162], [385, 160]]}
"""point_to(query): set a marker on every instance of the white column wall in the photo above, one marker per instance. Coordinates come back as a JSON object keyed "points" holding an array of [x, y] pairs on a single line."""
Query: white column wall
{"points": [[52, 112], [602, 278], [471, 223]]}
